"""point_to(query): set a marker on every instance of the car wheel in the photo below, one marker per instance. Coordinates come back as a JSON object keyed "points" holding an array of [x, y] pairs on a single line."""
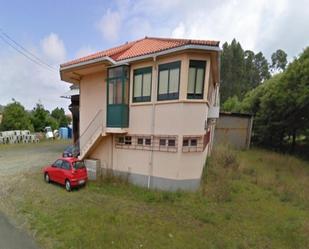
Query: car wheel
{"points": [[46, 177], [68, 185]]}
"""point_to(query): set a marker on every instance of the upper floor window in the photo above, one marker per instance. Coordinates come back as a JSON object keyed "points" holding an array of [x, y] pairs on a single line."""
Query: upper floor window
{"points": [[196, 79], [169, 78], [117, 79], [142, 85]]}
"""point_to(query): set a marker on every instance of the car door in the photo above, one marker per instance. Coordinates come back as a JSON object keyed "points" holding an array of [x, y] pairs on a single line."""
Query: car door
{"points": [[55, 171], [65, 171]]}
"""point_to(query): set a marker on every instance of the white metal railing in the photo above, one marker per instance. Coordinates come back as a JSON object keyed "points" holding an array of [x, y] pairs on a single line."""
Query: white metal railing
{"points": [[93, 131]]}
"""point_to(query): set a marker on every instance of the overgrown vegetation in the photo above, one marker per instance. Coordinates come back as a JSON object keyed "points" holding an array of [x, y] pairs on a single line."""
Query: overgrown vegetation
{"points": [[280, 104], [248, 199]]}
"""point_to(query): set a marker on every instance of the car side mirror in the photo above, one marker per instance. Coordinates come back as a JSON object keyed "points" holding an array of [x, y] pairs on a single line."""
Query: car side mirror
{"points": [[54, 166]]}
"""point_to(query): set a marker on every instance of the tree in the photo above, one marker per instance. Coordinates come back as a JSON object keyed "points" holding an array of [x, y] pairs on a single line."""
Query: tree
{"points": [[281, 106], [262, 67], [251, 75], [278, 60], [232, 70], [15, 117], [40, 117], [241, 70], [232, 104], [59, 115]]}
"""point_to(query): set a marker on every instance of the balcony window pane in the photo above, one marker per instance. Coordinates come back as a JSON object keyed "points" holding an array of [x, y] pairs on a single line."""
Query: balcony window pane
{"points": [[126, 92], [118, 95], [199, 81], [163, 82], [191, 81], [111, 93], [147, 84], [174, 80], [138, 85]]}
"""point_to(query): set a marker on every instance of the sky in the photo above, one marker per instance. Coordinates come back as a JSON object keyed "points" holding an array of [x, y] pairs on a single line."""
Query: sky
{"points": [[57, 31]]}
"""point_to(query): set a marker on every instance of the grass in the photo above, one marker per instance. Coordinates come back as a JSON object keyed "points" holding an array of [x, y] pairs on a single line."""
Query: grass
{"points": [[248, 199]]}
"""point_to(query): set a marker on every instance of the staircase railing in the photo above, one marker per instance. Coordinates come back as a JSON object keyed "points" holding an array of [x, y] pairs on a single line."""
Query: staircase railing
{"points": [[92, 132]]}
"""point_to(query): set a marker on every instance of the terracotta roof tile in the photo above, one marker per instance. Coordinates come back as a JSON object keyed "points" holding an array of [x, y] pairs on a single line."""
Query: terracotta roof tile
{"points": [[147, 45]]}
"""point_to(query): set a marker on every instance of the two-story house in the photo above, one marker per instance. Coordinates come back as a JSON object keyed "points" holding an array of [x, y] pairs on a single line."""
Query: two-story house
{"points": [[147, 109]]}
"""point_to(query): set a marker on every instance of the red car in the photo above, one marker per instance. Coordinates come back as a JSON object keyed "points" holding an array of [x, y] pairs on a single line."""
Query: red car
{"points": [[69, 172]]}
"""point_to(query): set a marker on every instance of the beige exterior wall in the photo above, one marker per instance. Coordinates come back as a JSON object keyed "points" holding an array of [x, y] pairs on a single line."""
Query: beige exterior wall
{"points": [[92, 98], [175, 117]]}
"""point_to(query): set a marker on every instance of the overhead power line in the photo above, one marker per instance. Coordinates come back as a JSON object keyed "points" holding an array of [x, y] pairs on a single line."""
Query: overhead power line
{"points": [[23, 51]]}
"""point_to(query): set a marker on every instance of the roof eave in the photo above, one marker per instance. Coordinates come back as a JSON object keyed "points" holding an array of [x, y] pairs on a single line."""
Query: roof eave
{"points": [[85, 63], [171, 50], [167, 51]]}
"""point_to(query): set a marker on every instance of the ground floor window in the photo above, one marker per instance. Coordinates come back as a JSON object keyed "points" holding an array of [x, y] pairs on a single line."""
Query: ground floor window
{"points": [[147, 142], [192, 144]]}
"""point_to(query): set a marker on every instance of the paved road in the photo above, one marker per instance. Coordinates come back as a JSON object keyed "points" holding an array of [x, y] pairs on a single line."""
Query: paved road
{"points": [[13, 238]]}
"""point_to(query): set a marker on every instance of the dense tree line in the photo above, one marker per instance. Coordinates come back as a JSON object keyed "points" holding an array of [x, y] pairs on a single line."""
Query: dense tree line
{"points": [[16, 117], [280, 105], [243, 70]]}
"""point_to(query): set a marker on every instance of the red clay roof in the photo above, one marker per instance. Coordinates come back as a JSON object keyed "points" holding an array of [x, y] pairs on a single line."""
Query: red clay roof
{"points": [[147, 45]]}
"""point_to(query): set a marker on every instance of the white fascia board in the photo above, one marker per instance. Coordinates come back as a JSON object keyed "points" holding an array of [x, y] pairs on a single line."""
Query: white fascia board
{"points": [[84, 63]]}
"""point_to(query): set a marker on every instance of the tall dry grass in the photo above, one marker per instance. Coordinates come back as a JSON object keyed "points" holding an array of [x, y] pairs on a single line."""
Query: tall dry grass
{"points": [[221, 168]]}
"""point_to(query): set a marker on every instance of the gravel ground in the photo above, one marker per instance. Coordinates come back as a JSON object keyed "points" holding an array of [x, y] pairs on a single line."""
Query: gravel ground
{"points": [[24, 157], [15, 161]]}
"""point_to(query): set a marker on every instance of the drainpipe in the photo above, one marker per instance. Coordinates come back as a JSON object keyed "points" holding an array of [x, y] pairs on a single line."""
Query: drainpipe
{"points": [[153, 117]]}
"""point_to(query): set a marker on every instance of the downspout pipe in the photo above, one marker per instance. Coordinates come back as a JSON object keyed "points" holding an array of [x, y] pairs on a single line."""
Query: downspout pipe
{"points": [[153, 117]]}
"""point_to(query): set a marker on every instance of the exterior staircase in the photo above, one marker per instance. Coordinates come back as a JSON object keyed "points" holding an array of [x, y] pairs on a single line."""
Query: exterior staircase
{"points": [[91, 135]]}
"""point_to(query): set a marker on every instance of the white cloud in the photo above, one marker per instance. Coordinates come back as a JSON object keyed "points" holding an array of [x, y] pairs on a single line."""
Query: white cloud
{"points": [[28, 82], [87, 50], [110, 25], [260, 25], [179, 31], [53, 48]]}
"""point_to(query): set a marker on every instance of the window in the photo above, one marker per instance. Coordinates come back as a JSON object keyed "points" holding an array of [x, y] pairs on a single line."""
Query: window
{"points": [[128, 140], [147, 141], [171, 142], [196, 79], [79, 165], [66, 165], [166, 143], [185, 142], [142, 84], [192, 144], [117, 85], [58, 164], [169, 78], [120, 140], [140, 141], [162, 142]]}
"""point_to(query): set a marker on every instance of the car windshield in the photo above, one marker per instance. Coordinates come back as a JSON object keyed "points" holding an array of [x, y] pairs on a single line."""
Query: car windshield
{"points": [[79, 165]]}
